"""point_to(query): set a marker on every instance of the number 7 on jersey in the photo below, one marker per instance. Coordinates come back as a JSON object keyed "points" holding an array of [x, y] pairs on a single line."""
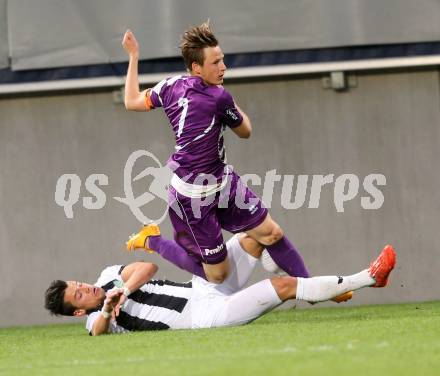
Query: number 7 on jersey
{"points": [[183, 102]]}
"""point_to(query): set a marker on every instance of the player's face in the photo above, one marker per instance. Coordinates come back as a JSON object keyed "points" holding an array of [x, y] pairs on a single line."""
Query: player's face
{"points": [[214, 67], [83, 296]]}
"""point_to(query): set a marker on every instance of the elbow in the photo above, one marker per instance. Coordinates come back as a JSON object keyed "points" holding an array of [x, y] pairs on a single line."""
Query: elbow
{"points": [[246, 134], [128, 105], [153, 268], [149, 269]]}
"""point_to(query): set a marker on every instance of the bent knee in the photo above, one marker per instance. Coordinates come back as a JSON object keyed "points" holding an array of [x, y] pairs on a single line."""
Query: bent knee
{"points": [[275, 234], [216, 278], [217, 273], [251, 246], [285, 287]]}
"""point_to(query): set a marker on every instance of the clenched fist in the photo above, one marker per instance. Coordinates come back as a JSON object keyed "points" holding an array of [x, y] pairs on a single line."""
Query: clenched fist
{"points": [[130, 44]]}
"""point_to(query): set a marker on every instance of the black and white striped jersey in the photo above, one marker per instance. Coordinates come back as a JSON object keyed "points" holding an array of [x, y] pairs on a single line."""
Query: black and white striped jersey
{"points": [[157, 305]]}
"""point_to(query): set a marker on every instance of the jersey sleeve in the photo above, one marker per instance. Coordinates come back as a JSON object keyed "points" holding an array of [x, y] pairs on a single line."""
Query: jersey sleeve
{"points": [[156, 94], [109, 274], [112, 328], [228, 111], [91, 320]]}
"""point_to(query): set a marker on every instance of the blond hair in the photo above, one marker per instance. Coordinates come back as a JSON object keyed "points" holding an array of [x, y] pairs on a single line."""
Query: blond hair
{"points": [[194, 41]]}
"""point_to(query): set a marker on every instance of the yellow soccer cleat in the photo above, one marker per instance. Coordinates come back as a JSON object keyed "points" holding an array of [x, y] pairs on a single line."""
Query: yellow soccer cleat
{"points": [[138, 241], [343, 297]]}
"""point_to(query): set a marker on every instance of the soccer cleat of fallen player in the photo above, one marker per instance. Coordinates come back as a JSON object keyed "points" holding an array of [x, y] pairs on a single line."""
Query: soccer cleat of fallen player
{"points": [[343, 297], [381, 268], [138, 241]]}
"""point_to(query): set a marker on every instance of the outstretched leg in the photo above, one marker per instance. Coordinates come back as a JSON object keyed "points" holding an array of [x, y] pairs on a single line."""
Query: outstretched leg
{"points": [[254, 301], [318, 289]]}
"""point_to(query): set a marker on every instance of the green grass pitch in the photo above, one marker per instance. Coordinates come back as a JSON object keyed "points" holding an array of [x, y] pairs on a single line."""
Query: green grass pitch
{"points": [[382, 340]]}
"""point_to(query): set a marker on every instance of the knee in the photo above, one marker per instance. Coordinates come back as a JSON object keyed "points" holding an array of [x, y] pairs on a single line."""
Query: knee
{"points": [[276, 233], [217, 273], [285, 287], [217, 278], [251, 246]]}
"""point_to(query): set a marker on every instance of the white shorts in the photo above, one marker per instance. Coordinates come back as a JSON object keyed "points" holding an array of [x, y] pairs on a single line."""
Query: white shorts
{"points": [[227, 304]]}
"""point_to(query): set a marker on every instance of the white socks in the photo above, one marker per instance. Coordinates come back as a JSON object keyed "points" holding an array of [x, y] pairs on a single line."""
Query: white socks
{"points": [[269, 265], [319, 289]]}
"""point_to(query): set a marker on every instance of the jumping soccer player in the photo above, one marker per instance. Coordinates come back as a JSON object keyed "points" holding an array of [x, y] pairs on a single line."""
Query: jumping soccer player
{"points": [[199, 110], [125, 298]]}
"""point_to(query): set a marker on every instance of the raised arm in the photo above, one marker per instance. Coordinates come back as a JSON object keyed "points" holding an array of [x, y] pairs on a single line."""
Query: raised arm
{"points": [[137, 274], [101, 324], [134, 98], [134, 276]]}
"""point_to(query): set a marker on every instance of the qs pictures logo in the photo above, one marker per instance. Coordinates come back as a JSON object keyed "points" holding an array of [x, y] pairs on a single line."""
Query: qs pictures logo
{"points": [[68, 188], [297, 191]]}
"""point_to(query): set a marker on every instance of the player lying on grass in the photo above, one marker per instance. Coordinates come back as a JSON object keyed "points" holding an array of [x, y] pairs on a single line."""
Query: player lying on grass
{"points": [[126, 298]]}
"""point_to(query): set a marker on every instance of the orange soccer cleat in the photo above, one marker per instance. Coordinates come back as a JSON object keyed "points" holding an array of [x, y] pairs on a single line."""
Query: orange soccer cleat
{"points": [[380, 269], [138, 241], [343, 297]]}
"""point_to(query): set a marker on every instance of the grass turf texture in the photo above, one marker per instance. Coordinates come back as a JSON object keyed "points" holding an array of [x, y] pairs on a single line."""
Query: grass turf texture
{"points": [[370, 340]]}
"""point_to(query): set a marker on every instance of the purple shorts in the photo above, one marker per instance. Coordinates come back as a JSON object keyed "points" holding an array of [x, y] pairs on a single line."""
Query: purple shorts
{"points": [[198, 223]]}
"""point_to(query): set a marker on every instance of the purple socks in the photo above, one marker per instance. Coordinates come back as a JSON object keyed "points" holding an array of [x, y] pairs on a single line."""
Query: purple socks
{"points": [[282, 252], [174, 253], [287, 258]]}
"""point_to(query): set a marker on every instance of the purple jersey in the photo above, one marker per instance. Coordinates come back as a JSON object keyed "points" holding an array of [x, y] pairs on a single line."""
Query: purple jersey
{"points": [[198, 113]]}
